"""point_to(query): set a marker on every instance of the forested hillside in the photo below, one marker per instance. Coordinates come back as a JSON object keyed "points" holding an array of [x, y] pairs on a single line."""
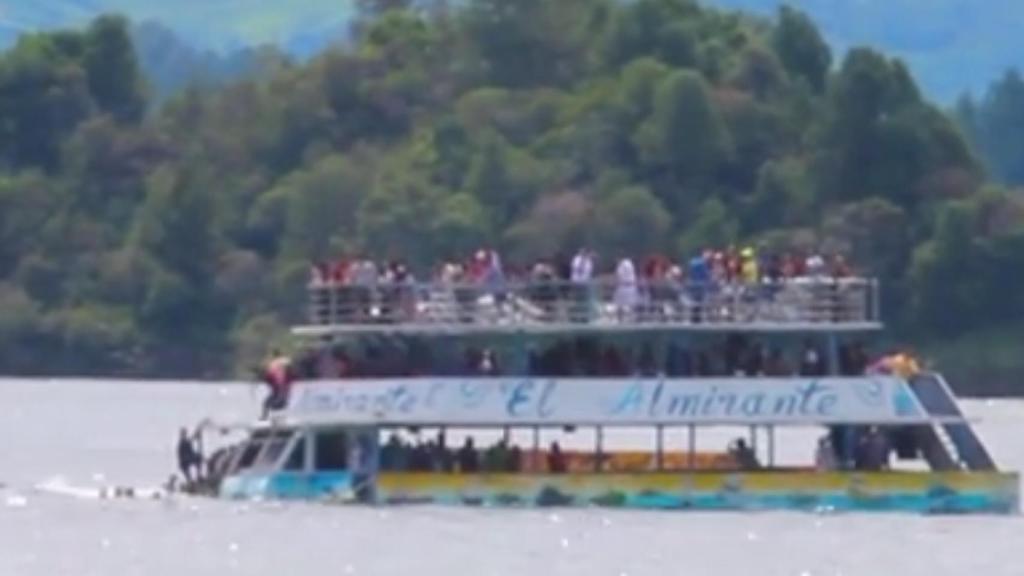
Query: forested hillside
{"points": [[178, 243]]}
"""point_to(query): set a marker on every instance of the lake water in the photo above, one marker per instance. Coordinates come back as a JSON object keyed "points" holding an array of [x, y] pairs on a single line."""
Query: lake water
{"points": [[87, 433]]}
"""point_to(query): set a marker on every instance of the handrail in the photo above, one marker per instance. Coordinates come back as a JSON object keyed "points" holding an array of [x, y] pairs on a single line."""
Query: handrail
{"points": [[799, 301]]}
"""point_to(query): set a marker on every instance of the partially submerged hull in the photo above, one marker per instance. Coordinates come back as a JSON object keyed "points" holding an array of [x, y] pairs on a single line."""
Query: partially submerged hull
{"points": [[912, 492]]}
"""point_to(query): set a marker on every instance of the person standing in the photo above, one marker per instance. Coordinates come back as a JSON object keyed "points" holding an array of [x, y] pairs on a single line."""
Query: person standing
{"points": [[189, 459], [581, 276], [626, 294]]}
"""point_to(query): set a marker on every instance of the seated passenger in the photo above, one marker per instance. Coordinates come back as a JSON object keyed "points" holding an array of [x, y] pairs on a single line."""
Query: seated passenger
{"points": [[390, 454], [825, 455], [812, 363], [873, 451], [556, 460], [743, 455], [496, 456], [469, 462]]}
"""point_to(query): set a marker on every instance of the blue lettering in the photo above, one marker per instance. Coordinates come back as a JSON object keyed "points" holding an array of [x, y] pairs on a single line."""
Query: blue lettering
{"points": [[544, 408], [684, 405], [826, 404], [632, 400], [753, 405], [402, 400], [728, 401], [785, 405], [520, 395], [652, 409], [709, 402], [807, 393], [435, 389]]}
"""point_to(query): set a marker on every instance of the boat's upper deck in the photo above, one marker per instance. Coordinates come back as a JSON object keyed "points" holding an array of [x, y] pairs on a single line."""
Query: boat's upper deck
{"points": [[806, 304]]}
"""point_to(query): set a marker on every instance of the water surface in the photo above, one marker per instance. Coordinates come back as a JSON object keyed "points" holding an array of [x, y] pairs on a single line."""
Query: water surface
{"points": [[92, 433]]}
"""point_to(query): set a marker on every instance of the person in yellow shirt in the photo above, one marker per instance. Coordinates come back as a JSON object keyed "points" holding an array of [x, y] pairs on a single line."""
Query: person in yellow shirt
{"points": [[904, 365], [748, 266]]}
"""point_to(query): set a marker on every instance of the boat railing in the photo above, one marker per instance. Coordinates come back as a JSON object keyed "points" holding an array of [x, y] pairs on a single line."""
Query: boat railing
{"points": [[799, 302]]}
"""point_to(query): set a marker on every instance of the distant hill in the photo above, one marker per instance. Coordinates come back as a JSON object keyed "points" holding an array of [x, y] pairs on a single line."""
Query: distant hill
{"points": [[952, 45], [301, 27]]}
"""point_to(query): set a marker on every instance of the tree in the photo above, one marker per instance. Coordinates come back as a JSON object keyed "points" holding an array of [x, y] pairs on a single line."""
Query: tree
{"points": [[996, 127], [115, 80], [321, 203], [684, 134], [175, 230], [44, 94], [652, 28], [801, 48], [530, 43], [630, 221], [714, 226]]}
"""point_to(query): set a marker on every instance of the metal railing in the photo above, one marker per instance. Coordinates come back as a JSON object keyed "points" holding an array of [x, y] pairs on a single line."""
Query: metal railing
{"points": [[799, 301]]}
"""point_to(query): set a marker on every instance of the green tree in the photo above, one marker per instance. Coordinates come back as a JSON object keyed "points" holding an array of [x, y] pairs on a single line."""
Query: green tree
{"points": [[685, 134], [115, 80], [801, 48], [995, 126], [714, 226], [631, 221]]}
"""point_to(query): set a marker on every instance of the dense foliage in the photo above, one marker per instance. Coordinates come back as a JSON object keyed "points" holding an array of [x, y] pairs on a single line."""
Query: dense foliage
{"points": [[178, 242], [995, 125]]}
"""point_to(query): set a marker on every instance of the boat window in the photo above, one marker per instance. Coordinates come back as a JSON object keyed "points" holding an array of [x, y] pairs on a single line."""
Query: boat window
{"points": [[273, 449], [297, 459], [331, 450], [249, 453]]}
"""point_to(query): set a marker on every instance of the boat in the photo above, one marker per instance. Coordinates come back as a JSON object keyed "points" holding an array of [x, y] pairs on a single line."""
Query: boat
{"points": [[390, 436]]}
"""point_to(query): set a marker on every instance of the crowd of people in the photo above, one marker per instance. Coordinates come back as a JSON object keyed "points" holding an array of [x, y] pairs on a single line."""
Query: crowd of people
{"points": [[577, 356], [485, 267], [711, 285], [434, 455]]}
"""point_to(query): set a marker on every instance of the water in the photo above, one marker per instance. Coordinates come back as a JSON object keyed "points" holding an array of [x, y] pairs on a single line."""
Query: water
{"points": [[97, 433]]}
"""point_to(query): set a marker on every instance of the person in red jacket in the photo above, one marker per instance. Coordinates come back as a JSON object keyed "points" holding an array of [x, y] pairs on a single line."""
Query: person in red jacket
{"points": [[277, 373]]}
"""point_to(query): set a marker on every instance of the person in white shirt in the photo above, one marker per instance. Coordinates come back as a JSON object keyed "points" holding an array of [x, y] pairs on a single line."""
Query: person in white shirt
{"points": [[582, 266], [626, 293], [581, 275]]}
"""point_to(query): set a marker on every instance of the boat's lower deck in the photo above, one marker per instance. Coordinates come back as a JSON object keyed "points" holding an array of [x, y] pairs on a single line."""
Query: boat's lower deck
{"points": [[919, 492]]}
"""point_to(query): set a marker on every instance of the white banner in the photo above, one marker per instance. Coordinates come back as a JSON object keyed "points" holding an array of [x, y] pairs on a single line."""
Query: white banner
{"points": [[627, 401]]}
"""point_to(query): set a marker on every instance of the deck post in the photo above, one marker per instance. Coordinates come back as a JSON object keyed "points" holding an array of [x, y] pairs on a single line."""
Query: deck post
{"points": [[691, 457], [332, 316], [310, 446], [832, 344], [771, 446], [536, 467], [659, 447], [599, 449]]}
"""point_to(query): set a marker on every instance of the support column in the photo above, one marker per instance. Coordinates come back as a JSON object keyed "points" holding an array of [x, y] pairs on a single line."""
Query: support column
{"points": [[659, 448], [536, 461], [691, 457]]}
